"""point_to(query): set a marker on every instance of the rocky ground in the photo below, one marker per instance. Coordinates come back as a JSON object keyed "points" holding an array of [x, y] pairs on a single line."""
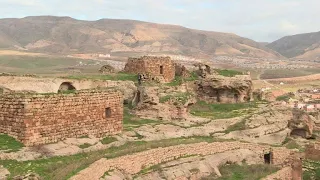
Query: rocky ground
{"points": [[163, 116]]}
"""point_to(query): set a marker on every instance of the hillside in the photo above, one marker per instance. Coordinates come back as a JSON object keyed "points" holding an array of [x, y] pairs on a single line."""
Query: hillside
{"points": [[64, 35], [305, 46]]}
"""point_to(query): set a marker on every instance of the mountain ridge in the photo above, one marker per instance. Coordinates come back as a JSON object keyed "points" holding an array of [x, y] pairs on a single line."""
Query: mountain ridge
{"points": [[65, 35], [303, 46]]}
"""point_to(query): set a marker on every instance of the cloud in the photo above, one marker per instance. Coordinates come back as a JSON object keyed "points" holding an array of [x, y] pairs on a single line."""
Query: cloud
{"points": [[261, 20]]}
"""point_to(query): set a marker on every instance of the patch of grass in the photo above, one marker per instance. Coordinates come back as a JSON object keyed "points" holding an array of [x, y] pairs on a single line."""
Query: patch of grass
{"points": [[237, 126], [114, 77], [85, 145], [108, 140], [176, 82], [130, 121], [9, 144], [228, 72], [283, 98], [180, 98], [244, 172], [293, 145], [311, 170], [222, 111]]}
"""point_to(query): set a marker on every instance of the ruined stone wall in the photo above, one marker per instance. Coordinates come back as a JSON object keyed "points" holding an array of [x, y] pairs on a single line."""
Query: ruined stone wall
{"points": [[11, 116], [152, 65], [132, 164], [39, 119]]}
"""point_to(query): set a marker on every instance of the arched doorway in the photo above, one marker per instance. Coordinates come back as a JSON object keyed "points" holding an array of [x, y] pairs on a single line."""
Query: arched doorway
{"points": [[66, 86]]}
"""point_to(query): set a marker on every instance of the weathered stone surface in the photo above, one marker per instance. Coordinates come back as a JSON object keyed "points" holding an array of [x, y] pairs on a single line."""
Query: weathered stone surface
{"points": [[45, 118], [219, 89], [153, 68], [181, 70], [260, 95], [107, 69], [148, 105], [301, 124]]}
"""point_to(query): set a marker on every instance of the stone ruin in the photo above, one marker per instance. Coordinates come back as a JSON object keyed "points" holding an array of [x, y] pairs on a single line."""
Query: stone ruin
{"points": [[36, 119], [220, 89], [148, 104], [181, 70], [161, 69]]}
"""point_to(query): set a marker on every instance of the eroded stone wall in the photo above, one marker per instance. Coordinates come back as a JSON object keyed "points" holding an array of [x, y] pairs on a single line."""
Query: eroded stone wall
{"points": [[132, 164], [155, 66], [38, 119]]}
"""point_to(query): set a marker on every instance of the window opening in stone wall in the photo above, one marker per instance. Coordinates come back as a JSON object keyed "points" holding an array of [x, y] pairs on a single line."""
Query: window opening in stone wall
{"points": [[267, 158], [108, 112], [161, 70]]}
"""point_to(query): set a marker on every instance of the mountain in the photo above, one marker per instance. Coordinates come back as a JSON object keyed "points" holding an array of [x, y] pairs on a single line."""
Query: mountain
{"points": [[304, 46], [64, 35]]}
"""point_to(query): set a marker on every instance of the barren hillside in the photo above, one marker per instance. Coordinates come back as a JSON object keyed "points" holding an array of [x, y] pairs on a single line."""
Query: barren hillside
{"points": [[63, 35], [299, 46]]}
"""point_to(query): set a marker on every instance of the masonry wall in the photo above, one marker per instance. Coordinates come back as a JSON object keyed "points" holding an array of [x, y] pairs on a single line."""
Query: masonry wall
{"points": [[152, 65], [134, 163], [11, 116], [41, 119]]}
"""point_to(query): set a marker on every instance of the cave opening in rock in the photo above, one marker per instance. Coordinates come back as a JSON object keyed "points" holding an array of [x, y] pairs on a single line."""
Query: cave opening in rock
{"points": [[267, 158], [299, 132], [66, 86]]}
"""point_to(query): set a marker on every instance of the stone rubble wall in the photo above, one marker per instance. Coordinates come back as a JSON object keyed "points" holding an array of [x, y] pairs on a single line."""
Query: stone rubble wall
{"points": [[151, 65], [133, 164], [46, 118]]}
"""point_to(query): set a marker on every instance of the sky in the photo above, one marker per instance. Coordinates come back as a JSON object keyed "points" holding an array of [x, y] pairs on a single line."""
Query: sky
{"points": [[260, 20]]}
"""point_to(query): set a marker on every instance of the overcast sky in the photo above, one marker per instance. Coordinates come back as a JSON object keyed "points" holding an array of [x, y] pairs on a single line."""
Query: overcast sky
{"points": [[260, 20]]}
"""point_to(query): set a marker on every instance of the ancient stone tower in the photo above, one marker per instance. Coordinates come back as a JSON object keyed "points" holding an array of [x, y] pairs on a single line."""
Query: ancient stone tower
{"points": [[154, 67]]}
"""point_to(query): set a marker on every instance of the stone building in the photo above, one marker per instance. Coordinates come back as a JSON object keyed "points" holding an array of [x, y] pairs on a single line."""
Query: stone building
{"points": [[37, 119], [161, 69]]}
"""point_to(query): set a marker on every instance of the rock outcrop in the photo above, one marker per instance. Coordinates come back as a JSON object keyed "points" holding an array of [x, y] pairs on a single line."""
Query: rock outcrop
{"points": [[260, 95], [181, 71], [302, 124], [169, 107], [269, 125], [220, 89]]}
